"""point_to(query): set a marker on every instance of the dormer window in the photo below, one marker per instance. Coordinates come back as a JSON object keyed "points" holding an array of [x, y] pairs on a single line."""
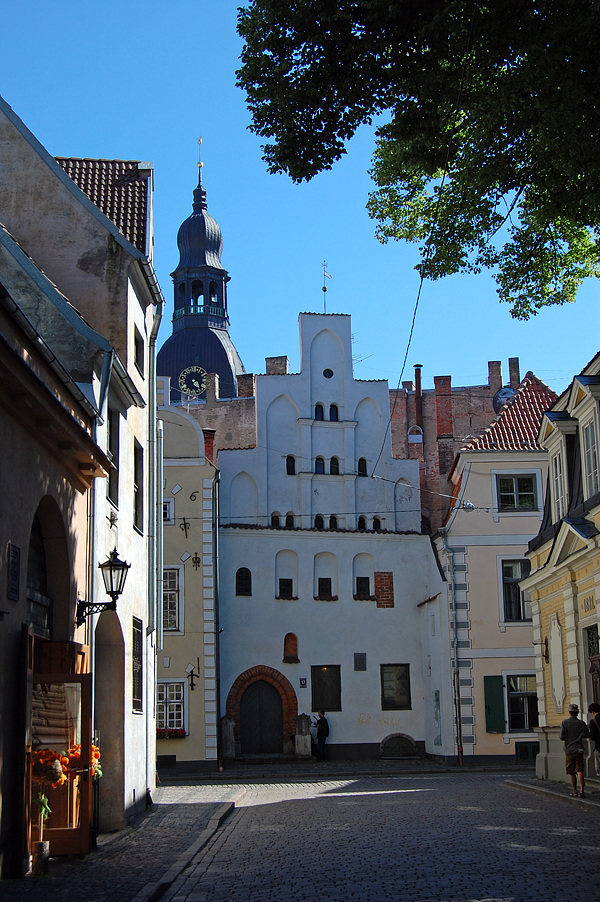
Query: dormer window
{"points": [[362, 466], [590, 456], [558, 487], [319, 412], [333, 413], [334, 466], [319, 465]]}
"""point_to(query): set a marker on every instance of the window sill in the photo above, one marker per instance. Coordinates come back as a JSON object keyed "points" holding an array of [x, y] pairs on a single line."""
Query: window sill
{"points": [[290, 660], [364, 597], [286, 598], [325, 597]]}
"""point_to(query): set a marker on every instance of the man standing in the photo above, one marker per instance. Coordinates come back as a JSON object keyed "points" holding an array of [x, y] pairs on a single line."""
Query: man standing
{"points": [[322, 734], [572, 732], [594, 710]]}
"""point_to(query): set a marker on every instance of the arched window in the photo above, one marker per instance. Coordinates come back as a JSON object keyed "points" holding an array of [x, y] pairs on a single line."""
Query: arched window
{"points": [[290, 649], [334, 466], [275, 520], [376, 524], [333, 413], [319, 412], [362, 466], [197, 293], [290, 465], [243, 582], [289, 521], [319, 522], [214, 300], [319, 465], [362, 524], [333, 522]]}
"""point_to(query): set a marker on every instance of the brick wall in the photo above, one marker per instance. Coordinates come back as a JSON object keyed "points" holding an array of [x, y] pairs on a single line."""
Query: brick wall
{"points": [[384, 589]]}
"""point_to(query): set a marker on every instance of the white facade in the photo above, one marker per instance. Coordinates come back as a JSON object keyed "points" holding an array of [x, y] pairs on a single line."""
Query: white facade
{"points": [[313, 548]]}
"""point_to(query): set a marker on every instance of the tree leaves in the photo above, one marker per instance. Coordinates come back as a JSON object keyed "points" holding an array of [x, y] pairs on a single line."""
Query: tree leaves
{"points": [[489, 155]]}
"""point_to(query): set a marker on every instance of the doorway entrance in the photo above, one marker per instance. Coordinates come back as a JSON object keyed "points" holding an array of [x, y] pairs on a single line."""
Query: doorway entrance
{"points": [[261, 720]]}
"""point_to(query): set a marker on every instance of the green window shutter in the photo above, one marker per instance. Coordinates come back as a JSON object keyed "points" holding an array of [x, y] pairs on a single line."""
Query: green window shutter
{"points": [[494, 704]]}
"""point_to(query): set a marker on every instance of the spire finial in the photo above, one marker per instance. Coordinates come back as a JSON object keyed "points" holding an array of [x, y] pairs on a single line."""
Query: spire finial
{"points": [[200, 163], [199, 193]]}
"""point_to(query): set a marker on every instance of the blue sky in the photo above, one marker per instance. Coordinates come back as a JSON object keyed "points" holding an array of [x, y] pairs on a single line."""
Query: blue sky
{"points": [[141, 81]]}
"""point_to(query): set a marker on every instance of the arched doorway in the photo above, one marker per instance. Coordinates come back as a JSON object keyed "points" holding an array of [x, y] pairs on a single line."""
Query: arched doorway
{"points": [[261, 719], [109, 701], [289, 706]]}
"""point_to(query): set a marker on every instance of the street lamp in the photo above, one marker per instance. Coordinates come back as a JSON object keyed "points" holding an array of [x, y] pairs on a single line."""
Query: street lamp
{"points": [[114, 574]]}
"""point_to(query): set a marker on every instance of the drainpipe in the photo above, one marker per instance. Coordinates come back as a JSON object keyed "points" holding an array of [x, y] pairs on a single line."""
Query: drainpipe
{"points": [[455, 672], [159, 537], [215, 520]]}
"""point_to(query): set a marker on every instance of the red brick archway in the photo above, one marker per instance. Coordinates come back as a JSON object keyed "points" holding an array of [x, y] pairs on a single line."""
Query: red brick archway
{"points": [[276, 679]]}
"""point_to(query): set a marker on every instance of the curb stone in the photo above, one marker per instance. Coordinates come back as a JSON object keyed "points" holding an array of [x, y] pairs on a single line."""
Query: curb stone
{"points": [[153, 891], [552, 793]]}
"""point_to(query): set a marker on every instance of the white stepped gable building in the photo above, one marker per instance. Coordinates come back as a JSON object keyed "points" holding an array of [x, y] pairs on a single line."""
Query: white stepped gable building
{"points": [[322, 567]]}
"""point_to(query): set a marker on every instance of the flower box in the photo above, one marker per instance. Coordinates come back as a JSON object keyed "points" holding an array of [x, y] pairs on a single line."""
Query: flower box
{"points": [[179, 733]]}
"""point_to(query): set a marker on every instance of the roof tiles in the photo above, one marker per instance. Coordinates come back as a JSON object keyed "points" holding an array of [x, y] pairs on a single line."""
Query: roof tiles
{"points": [[516, 426], [120, 188]]}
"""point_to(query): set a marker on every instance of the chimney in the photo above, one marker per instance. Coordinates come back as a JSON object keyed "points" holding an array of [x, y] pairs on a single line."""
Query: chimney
{"points": [[494, 376], [513, 369], [277, 366], [212, 386], [443, 404], [419, 396], [209, 444], [246, 385]]}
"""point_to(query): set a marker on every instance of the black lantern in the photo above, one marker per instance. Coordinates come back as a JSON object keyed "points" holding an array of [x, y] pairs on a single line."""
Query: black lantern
{"points": [[114, 574]]}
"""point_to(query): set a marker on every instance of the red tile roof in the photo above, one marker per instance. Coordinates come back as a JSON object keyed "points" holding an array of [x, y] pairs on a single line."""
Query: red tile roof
{"points": [[516, 426], [120, 188]]}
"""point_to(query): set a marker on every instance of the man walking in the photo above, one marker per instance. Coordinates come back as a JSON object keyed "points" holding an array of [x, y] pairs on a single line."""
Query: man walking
{"points": [[594, 710], [572, 732], [322, 734]]}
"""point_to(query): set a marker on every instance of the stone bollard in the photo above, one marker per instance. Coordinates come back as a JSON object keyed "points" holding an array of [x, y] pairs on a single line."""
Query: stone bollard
{"points": [[227, 736], [40, 858], [303, 738]]}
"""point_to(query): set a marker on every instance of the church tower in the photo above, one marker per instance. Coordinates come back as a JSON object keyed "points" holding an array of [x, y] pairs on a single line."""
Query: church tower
{"points": [[200, 342]]}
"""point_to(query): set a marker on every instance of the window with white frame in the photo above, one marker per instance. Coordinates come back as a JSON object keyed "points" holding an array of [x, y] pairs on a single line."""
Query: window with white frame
{"points": [[591, 458], [170, 706], [516, 493], [172, 598], [168, 511], [521, 692], [558, 487], [516, 607]]}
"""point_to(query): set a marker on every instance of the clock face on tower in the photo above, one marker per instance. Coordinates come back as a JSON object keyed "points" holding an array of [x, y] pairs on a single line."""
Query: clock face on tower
{"points": [[192, 381]]}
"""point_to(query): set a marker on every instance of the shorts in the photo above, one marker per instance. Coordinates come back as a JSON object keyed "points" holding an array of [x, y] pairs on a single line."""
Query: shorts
{"points": [[574, 763], [597, 762]]}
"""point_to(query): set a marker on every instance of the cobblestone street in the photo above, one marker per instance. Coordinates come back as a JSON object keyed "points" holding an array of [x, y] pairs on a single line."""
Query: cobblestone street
{"points": [[425, 838]]}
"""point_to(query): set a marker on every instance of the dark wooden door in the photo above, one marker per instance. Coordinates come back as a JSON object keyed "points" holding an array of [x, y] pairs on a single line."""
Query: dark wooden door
{"points": [[261, 720]]}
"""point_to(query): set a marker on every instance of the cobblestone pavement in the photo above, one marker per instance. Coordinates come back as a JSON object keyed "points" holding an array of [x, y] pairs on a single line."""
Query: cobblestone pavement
{"points": [[125, 863], [419, 838]]}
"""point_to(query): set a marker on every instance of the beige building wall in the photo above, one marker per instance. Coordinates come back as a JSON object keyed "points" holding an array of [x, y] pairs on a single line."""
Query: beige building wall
{"points": [[187, 654]]}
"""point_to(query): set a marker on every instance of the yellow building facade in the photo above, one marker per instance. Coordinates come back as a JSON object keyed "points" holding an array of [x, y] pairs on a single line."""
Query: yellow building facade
{"points": [[564, 583]]}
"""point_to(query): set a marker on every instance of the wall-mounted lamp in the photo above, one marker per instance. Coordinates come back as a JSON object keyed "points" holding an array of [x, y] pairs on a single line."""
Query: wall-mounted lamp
{"points": [[114, 574], [193, 673], [545, 652]]}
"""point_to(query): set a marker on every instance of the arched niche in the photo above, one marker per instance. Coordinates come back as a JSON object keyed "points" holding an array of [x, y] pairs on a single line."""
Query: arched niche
{"points": [[286, 570], [283, 430], [51, 590], [325, 575], [327, 353], [363, 575], [109, 718], [368, 434], [290, 649], [243, 499]]}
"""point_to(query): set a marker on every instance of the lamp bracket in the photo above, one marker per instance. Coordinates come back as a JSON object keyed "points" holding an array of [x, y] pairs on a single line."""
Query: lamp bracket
{"points": [[85, 608]]}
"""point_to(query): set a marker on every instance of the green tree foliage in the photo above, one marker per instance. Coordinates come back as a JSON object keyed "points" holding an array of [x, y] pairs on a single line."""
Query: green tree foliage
{"points": [[489, 151]]}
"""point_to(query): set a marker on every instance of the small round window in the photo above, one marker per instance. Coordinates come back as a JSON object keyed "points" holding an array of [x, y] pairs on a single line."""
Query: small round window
{"points": [[328, 373]]}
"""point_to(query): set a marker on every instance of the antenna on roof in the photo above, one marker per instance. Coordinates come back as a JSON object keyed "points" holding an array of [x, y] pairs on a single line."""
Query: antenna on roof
{"points": [[325, 276]]}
